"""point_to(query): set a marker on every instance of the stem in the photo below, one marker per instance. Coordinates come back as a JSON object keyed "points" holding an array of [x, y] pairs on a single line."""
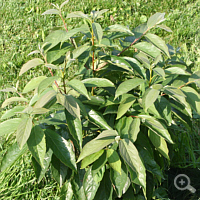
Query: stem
{"points": [[150, 79], [186, 84]]}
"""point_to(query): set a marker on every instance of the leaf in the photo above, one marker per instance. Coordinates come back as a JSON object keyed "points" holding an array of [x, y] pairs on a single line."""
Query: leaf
{"points": [[158, 42], [30, 64], [70, 104], [176, 70], [39, 111], [77, 14], [128, 85], [61, 148], [12, 155], [97, 82], [9, 90], [119, 180], [91, 158], [97, 30], [114, 160], [64, 3], [131, 156], [159, 71], [95, 145], [140, 30], [125, 105], [13, 99], [23, 131], [37, 144], [80, 50], [119, 28], [196, 78], [12, 112], [192, 97], [79, 87], [46, 83], [159, 143], [40, 172], [51, 11], [134, 129], [75, 128], [66, 191], [155, 19], [149, 98], [164, 27], [33, 83], [157, 127], [45, 99]]}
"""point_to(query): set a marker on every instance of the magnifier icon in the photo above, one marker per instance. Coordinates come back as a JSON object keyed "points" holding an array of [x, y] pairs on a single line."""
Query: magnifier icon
{"points": [[184, 181]]}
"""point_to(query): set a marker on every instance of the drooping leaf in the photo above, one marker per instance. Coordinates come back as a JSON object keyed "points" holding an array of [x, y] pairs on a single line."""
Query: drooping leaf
{"points": [[155, 19], [134, 129], [95, 145], [158, 42], [97, 82], [128, 85], [70, 104], [30, 64], [37, 144], [125, 105], [79, 87], [13, 99], [23, 131], [9, 126], [12, 112], [149, 98], [159, 143], [33, 83], [51, 11], [12, 155], [75, 128], [114, 160], [97, 30]]}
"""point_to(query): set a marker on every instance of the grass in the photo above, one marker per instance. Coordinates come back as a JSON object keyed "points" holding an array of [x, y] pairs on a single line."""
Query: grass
{"points": [[23, 28]]}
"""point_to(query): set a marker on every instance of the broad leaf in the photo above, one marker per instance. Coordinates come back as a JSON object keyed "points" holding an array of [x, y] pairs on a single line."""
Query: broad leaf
{"points": [[51, 11], [114, 160], [134, 129], [95, 145], [140, 30], [23, 131], [77, 14], [30, 64], [80, 50], [66, 191], [119, 28], [155, 19], [13, 99], [176, 70], [128, 85], [37, 144], [61, 148], [12, 155], [97, 82], [160, 71], [97, 30], [9, 126], [12, 112]]}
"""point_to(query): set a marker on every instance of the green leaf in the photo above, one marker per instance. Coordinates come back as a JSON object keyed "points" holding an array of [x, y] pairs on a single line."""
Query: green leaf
{"points": [[155, 19], [125, 105], [158, 42], [46, 83], [37, 144], [70, 104], [79, 87], [80, 50], [97, 82], [119, 28], [30, 64], [64, 3], [75, 128], [149, 98], [13, 99], [192, 97], [33, 83], [160, 71], [119, 180], [77, 14], [131, 156], [142, 57], [61, 148], [164, 27], [12, 155], [12, 112], [9, 90], [148, 49], [140, 30], [89, 184], [23, 131], [134, 129], [97, 30], [128, 85], [176, 70], [157, 127], [97, 118], [36, 111], [45, 99], [114, 160], [66, 191], [196, 78], [91, 158], [159, 143], [51, 11], [95, 145], [9, 126]]}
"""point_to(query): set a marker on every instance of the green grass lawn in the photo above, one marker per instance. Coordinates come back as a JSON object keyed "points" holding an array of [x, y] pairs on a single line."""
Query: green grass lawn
{"points": [[23, 28]]}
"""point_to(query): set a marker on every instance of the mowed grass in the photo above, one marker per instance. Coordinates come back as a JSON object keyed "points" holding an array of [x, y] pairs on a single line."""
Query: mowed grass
{"points": [[23, 28]]}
